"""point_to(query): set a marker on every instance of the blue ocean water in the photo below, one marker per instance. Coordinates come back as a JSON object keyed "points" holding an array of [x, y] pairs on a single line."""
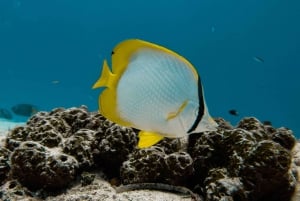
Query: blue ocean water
{"points": [[247, 52]]}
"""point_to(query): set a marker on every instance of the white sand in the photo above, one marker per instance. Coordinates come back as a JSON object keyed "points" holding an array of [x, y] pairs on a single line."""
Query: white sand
{"points": [[5, 126], [102, 190]]}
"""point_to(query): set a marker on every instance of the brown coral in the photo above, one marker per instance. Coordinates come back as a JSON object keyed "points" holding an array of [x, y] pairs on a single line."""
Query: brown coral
{"points": [[36, 166], [4, 164], [112, 146], [81, 140], [154, 165], [79, 145], [251, 156], [249, 162], [144, 166]]}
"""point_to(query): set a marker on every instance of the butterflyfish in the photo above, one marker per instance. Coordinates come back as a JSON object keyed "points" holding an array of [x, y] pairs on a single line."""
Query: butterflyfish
{"points": [[154, 90]]}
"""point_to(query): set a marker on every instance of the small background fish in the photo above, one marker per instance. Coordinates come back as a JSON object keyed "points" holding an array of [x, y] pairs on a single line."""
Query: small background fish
{"points": [[26, 110], [233, 112], [5, 114]]}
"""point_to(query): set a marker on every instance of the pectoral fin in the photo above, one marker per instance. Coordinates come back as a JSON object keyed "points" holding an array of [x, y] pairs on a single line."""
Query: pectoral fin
{"points": [[148, 139], [172, 115]]}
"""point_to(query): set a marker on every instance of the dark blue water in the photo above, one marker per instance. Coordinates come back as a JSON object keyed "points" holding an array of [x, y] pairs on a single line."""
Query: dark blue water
{"points": [[247, 52]]}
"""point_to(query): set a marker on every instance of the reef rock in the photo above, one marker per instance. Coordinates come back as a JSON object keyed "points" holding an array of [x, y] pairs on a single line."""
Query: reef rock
{"points": [[296, 168], [13, 190], [248, 162], [51, 150], [112, 146], [244, 163], [4, 164], [37, 166]]}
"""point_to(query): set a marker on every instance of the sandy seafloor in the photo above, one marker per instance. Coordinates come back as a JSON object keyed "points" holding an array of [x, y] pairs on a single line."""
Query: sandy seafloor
{"points": [[102, 190], [6, 125]]}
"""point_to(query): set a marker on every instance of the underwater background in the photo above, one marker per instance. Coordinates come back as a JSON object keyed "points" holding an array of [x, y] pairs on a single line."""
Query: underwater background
{"points": [[246, 52]]}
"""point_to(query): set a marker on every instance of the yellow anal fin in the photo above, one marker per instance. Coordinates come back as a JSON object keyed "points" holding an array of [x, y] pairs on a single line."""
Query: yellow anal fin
{"points": [[148, 139], [106, 78], [172, 115]]}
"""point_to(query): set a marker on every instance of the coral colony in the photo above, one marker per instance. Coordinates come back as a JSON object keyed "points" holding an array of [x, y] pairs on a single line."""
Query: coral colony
{"points": [[251, 161]]}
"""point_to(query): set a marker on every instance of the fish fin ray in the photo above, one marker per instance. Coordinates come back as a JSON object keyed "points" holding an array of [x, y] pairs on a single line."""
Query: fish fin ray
{"points": [[207, 123], [148, 139], [106, 77], [172, 115]]}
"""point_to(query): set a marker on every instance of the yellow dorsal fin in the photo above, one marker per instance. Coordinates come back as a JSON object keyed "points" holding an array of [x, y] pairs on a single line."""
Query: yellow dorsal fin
{"points": [[124, 50], [106, 79], [172, 115], [148, 139]]}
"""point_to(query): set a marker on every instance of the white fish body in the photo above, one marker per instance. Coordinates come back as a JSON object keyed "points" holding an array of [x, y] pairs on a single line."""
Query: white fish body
{"points": [[154, 90]]}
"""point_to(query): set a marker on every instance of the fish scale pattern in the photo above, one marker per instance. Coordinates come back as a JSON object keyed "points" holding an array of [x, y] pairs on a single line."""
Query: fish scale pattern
{"points": [[160, 84]]}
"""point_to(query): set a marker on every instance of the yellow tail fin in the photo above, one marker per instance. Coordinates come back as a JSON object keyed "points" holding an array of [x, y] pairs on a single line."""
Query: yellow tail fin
{"points": [[148, 139], [106, 78]]}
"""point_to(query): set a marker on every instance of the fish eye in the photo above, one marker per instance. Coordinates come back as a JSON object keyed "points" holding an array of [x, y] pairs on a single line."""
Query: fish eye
{"points": [[112, 52]]}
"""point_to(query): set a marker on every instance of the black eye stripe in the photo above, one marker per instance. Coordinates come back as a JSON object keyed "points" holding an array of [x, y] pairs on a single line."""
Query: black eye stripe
{"points": [[201, 107]]}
